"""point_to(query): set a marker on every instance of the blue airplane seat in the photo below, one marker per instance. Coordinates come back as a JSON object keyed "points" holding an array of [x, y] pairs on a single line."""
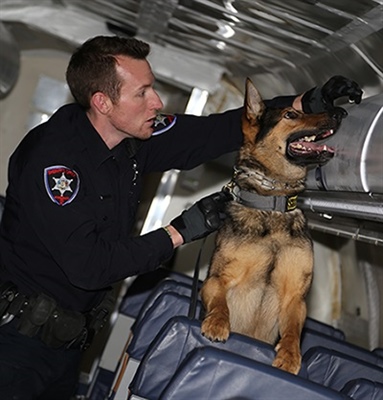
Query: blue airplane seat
{"points": [[134, 300], [333, 369], [378, 351], [142, 287], [324, 328], [182, 284], [214, 373], [164, 286], [363, 389], [166, 306], [311, 338], [102, 384], [178, 337]]}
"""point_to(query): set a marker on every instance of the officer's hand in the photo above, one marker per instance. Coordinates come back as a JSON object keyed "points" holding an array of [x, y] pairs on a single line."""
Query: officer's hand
{"points": [[319, 100], [203, 217]]}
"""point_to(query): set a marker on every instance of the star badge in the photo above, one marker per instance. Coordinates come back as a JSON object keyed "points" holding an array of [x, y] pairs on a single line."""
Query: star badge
{"points": [[61, 183]]}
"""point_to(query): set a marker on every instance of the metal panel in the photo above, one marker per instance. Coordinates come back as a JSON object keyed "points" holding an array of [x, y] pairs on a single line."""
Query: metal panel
{"points": [[9, 61]]}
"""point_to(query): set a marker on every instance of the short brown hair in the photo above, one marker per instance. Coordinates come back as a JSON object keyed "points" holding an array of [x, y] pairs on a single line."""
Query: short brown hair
{"points": [[92, 67]]}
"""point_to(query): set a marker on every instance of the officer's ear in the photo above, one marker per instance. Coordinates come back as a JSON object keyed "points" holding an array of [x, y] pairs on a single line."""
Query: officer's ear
{"points": [[101, 102]]}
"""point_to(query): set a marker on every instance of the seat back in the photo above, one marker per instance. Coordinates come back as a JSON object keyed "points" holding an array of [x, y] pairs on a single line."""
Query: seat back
{"points": [[167, 285], [143, 285], [176, 340], [364, 389], [166, 306], [213, 373], [311, 338], [334, 369], [323, 328]]}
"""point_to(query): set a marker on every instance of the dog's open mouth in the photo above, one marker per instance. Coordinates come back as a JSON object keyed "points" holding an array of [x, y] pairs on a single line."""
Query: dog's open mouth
{"points": [[303, 147]]}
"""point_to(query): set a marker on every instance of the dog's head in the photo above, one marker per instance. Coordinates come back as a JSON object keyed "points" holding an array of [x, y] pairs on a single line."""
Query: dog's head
{"points": [[282, 143]]}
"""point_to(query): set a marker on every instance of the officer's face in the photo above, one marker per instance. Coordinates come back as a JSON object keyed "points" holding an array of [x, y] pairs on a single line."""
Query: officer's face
{"points": [[134, 113]]}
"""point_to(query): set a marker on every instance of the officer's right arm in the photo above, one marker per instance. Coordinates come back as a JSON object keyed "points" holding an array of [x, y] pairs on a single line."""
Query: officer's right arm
{"points": [[69, 236]]}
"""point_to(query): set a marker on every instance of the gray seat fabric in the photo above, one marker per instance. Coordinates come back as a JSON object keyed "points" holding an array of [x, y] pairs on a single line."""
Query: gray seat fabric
{"points": [[311, 338], [334, 369], [364, 389], [176, 340], [166, 306], [143, 286], [212, 373]]}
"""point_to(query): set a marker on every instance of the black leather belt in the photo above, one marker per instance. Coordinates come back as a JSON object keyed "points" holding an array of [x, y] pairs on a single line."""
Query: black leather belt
{"points": [[39, 315]]}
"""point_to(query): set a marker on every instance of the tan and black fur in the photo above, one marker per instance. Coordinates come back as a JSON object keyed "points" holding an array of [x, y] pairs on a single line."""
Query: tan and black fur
{"points": [[262, 266]]}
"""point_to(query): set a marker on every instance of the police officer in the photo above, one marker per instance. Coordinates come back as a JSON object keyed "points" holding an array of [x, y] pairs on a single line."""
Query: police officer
{"points": [[74, 188]]}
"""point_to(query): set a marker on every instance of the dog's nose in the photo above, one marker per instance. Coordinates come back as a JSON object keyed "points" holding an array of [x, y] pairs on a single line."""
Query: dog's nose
{"points": [[338, 113]]}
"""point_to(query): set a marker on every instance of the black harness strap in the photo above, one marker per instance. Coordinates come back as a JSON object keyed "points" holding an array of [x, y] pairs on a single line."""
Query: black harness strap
{"points": [[195, 290]]}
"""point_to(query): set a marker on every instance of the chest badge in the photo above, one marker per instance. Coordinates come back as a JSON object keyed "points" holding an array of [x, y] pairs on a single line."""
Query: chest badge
{"points": [[61, 183]]}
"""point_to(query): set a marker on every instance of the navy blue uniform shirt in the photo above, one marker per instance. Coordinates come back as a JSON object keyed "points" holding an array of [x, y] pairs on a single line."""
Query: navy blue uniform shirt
{"points": [[71, 202]]}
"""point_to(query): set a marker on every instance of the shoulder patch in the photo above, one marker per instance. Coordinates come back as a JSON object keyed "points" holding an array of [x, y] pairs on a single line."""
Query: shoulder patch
{"points": [[163, 123], [61, 183]]}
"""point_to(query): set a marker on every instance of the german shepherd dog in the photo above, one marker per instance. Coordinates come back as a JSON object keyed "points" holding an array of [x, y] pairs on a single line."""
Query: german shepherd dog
{"points": [[262, 266]]}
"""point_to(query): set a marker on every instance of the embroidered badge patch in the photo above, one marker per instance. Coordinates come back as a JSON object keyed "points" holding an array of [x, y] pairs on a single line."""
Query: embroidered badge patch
{"points": [[61, 183], [163, 122]]}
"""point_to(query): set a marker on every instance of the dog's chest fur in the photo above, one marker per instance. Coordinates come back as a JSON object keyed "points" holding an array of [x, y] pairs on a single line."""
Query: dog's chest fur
{"points": [[251, 247], [252, 224]]}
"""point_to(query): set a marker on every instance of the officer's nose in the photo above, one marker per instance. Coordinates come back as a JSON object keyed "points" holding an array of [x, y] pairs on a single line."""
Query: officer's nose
{"points": [[157, 102]]}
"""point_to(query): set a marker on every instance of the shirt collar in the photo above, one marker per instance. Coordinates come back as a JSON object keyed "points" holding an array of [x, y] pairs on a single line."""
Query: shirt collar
{"points": [[93, 143], [98, 150]]}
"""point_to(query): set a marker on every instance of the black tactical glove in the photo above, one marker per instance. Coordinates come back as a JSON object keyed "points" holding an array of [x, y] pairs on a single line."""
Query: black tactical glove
{"points": [[318, 100], [203, 217]]}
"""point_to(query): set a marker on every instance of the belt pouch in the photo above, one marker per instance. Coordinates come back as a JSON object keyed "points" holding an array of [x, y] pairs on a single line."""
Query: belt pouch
{"points": [[36, 314], [62, 327]]}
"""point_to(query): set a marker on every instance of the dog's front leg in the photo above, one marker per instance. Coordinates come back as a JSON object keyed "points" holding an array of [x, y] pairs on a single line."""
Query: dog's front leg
{"points": [[288, 351], [295, 266], [216, 324]]}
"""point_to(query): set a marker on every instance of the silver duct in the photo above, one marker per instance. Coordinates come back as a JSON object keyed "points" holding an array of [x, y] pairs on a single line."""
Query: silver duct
{"points": [[358, 164], [345, 196]]}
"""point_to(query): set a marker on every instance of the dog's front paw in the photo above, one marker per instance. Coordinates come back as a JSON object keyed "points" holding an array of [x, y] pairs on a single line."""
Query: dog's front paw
{"points": [[287, 359], [216, 328]]}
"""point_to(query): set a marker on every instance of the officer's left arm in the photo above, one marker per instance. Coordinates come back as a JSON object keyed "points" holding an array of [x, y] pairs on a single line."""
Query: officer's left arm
{"points": [[191, 140]]}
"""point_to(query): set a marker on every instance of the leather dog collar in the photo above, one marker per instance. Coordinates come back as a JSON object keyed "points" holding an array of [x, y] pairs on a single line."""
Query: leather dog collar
{"points": [[265, 203], [254, 200]]}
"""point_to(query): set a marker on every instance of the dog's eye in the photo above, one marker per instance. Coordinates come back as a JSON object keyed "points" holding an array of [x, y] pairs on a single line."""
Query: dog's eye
{"points": [[291, 115]]}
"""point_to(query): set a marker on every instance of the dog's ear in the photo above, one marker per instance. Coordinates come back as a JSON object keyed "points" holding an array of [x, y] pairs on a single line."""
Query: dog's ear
{"points": [[254, 105]]}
